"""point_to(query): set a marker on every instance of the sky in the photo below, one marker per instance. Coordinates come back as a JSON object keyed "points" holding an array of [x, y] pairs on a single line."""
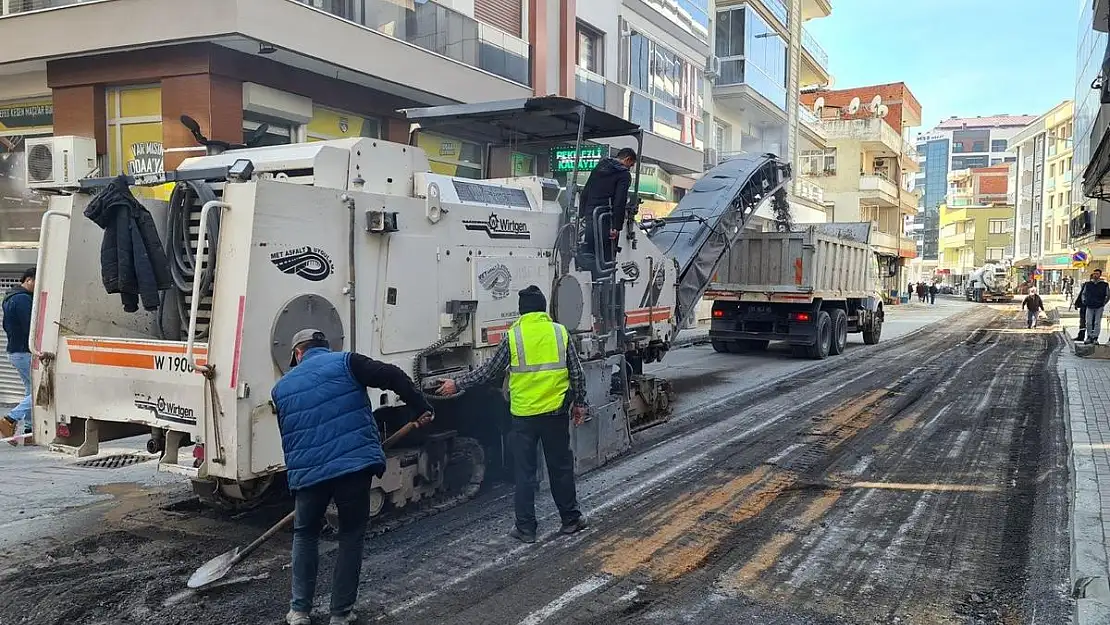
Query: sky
{"points": [[958, 57]]}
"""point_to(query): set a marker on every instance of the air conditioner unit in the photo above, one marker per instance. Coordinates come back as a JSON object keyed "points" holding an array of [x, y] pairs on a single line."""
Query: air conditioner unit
{"points": [[712, 68], [59, 162]]}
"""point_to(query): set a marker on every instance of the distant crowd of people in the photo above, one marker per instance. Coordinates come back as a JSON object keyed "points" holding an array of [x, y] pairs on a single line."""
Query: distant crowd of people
{"points": [[926, 293]]}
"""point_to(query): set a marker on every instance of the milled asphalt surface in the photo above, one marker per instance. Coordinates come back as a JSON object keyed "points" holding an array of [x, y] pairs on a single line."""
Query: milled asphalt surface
{"points": [[923, 480]]}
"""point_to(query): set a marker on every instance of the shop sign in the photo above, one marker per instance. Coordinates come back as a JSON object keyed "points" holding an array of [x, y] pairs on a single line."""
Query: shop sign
{"points": [[26, 114], [562, 157]]}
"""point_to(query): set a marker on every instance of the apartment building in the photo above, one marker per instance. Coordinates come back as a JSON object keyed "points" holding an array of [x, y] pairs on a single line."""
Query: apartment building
{"points": [[868, 166], [1090, 214], [763, 56], [1042, 193], [976, 221], [959, 143]]}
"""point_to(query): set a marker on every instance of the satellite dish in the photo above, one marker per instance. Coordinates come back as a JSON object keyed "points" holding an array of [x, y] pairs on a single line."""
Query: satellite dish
{"points": [[818, 105], [853, 107], [883, 110], [876, 102]]}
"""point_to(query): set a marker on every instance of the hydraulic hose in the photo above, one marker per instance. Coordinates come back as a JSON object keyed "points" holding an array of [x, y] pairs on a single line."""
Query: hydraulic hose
{"points": [[418, 373], [179, 246]]}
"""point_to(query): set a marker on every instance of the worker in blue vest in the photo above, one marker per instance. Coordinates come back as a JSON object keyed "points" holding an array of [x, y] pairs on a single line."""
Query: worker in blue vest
{"points": [[332, 452], [547, 389]]}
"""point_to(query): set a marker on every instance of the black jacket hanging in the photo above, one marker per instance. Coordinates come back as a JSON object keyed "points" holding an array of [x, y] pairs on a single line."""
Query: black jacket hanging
{"points": [[133, 262]]}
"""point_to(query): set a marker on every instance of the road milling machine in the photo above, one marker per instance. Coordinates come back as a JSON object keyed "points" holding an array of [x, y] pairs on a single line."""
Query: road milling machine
{"points": [[359, 238]]}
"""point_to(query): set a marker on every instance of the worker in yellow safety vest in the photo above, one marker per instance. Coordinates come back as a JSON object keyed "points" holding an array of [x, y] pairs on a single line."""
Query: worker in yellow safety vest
{"points": [[546, 390]]}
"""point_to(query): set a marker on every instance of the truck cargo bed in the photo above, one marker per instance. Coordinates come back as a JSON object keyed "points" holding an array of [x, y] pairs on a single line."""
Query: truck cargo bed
{"points": [[795, 267]]}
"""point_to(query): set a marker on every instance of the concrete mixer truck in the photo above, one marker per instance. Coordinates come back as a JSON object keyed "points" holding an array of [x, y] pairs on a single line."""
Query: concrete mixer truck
{"points": [[992, 282]]}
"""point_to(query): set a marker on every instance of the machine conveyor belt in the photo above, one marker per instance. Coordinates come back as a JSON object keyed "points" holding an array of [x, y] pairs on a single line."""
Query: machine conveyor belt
{"points": [[712, 216]]}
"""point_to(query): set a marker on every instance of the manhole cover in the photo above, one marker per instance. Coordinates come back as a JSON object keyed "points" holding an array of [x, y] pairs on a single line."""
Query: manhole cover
{"points": [[113, 462]]}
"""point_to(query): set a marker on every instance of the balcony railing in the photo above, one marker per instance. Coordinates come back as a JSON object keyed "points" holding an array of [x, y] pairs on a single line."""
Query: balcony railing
{"points": [[589, 87], [734, 72], [814, 48], [872, 182], [429, 25], [812, 122], [809, 190], [871, 130]]}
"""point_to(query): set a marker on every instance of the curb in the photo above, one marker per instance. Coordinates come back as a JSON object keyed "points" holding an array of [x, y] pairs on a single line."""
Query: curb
{"points": [[1089, 585]]}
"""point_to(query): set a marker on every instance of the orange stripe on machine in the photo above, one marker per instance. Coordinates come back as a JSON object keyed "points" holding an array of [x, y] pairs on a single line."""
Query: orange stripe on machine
{"points": [[647, 315], [168, 357]]}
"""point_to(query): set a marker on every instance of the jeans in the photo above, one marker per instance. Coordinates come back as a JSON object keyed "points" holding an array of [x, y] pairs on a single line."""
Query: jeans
{"points": [[554, 433], [1031, 317], [932, 298], [1094, 323], [22, 412], [352, 497]]}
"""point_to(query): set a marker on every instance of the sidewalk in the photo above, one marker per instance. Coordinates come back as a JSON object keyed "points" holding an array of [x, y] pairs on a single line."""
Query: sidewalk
{"points": [[1087, 416]]}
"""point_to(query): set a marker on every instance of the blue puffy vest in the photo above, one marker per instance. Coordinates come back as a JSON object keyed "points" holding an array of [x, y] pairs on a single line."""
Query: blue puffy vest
{"points": [[326, 421]]}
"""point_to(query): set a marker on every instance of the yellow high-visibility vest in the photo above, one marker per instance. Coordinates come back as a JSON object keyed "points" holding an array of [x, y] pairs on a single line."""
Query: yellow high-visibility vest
{"points": [[538, 376]]}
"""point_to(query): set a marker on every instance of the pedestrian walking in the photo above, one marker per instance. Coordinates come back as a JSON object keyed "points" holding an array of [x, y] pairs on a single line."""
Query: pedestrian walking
{"points": [[1095, 294], [17, 328], [921, 292], [1069, 289], [933, 293], [1032, 305], [332, 452], [546, 390]]}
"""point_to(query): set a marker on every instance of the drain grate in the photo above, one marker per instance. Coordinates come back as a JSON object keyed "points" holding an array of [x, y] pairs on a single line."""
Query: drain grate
{"points": [[117, 461]]}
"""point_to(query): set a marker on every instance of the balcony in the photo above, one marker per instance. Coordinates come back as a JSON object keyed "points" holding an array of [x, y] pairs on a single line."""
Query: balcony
{"points": [[816, 9], [909, 201], [813, 125], [430, 53], [810, 45], [739, 81], [878, 190], [589, 88], [807, 189], [1050, 184], [875, 134]]}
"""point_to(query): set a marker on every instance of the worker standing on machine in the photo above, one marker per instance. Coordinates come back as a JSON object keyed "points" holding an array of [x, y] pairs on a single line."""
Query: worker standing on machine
{"points": [[546, 382], [607, 187], [332, 451]]}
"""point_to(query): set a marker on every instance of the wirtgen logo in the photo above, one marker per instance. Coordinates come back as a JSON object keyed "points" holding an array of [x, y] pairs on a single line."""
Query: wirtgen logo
{"points": [[166, 411], [310, 263], [498, 228]]}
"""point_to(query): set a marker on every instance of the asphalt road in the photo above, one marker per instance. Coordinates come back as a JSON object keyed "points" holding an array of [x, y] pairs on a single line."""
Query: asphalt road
{"points": [[923, 481]]}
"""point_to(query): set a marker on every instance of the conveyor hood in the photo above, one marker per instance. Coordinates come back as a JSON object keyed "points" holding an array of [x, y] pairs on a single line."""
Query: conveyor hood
{"points": [[711, 217]]}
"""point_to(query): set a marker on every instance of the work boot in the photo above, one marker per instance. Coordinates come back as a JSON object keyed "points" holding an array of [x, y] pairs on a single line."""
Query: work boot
{"points": [[347, 619], [7, 427], [298, 618], [575, 526], [522, 536]]}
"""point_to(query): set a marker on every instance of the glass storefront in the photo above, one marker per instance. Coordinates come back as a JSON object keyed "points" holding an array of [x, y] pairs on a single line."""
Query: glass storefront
{"points": [[20, 208]]}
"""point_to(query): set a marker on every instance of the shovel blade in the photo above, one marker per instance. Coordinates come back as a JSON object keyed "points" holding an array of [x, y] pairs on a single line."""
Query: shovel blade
{"points": [[214, 569]]}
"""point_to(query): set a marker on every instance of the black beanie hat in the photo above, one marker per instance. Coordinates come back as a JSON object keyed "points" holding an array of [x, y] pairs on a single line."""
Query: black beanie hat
{"points": [[532, 300]]}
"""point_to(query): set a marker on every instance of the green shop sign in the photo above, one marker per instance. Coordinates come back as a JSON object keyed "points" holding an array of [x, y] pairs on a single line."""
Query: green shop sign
{"points": [[562, 157], [655, 182]]}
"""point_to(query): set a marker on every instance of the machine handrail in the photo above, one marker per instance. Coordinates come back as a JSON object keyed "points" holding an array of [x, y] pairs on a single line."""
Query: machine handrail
{"points": [[36, 301], [601, 238], [194, 305]]}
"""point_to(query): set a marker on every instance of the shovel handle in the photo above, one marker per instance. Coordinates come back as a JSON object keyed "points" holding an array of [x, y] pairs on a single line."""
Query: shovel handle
{"points": [[245, 551]]}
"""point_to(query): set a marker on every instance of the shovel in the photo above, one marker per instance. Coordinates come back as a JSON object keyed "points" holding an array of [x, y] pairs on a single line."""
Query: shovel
{"points": [[216, 568]]}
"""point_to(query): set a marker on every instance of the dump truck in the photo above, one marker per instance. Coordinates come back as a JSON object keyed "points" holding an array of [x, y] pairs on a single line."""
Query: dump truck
{"points": [[809, 287], [993, 282], [361, 239]]}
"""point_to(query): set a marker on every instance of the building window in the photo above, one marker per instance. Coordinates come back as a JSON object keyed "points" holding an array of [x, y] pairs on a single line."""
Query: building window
{"points": [[327, 124], [590, 49], [278, 131], [999, 145], [997, 226], [1052, 170], [995, 253], [134, 116], [667, 80], [819, 162], [1051, 202], [722, 137], [957, 146], [452, 157], [730, 33], [969, 162], [979, 146]]}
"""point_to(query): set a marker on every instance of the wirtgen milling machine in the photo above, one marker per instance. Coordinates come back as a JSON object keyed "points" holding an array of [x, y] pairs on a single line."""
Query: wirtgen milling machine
{"points": [[358, 238]]}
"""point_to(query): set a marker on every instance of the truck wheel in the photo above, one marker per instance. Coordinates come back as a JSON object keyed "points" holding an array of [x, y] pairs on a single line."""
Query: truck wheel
{"points": [[721, 347], [820, 349], [840, 332], [872, 333]]}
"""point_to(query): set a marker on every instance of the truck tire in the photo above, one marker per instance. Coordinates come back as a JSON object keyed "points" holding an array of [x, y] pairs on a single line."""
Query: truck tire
{"points": [[873, 331], [820, 348], [840, 332], [721, 347]]}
